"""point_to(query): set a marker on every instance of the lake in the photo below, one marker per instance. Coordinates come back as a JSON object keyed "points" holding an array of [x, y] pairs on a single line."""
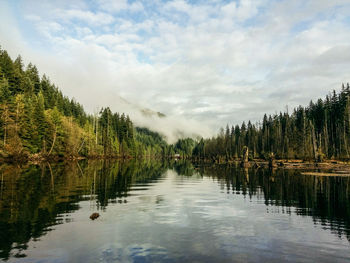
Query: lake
{"points": [[171, 212]]}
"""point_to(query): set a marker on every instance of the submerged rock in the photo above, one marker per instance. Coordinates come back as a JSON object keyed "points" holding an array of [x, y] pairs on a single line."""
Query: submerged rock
{"points": [[94, 216]]}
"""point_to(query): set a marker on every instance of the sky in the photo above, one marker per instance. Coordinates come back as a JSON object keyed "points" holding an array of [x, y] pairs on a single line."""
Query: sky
{"points": [[204, 64]]}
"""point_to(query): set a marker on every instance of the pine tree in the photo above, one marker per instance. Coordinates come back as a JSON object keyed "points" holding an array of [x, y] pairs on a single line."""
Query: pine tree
{"points": [[40, 123]]}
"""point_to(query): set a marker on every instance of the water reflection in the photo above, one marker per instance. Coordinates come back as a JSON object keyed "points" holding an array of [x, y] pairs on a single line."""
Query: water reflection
{"points": [[36, 199], [326, 199], [33, 198]]}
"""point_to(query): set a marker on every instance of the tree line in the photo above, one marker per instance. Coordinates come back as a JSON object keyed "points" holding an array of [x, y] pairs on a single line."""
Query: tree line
{"points": [[36, 119], [320, 130]]}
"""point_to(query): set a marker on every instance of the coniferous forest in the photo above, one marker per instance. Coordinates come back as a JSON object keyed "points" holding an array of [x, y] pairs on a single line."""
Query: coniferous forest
{"points": [[38, 121], [316, 132]]}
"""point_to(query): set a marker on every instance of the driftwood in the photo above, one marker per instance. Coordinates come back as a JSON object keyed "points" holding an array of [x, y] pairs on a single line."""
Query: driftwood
{"points": [[272, 161], [256, 165], [245, 157]]}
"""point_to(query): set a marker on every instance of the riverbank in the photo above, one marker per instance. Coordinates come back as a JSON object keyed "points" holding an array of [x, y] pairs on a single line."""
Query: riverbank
{"points": [[300, 164], [335, 166], [41, 158]]}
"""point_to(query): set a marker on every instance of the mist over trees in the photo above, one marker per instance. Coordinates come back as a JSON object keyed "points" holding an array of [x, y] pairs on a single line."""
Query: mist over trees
{"points": [[37, 119], [320, 130]]}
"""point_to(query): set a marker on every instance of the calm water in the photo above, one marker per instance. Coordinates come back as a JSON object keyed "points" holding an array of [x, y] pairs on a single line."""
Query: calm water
{"points": [[156, 212]]}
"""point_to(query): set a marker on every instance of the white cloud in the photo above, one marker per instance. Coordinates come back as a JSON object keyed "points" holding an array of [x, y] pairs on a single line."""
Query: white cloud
{"points": [[210, 62], [116, 6], [136, 7], [113, 5], [99, 18]]}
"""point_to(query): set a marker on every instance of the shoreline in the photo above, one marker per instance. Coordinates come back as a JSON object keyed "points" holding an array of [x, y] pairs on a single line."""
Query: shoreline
{"points": [[335, 165], [38, 158]]}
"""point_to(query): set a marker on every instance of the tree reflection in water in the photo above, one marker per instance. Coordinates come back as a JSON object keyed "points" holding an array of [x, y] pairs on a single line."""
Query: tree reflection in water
{"points": [[33, 199]]}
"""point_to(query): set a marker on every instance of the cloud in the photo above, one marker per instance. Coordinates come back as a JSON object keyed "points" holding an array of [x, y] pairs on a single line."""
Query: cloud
{"points": [[115, 6], [98, 18], [210, 62]]}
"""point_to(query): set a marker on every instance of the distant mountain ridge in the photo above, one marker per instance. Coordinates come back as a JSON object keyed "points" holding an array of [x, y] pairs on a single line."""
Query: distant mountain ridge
{"points": [[171, 127]]}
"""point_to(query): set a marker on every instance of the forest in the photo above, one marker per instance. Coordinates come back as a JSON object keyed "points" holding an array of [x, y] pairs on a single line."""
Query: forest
{"points": [[38, 122], [316, 132]]}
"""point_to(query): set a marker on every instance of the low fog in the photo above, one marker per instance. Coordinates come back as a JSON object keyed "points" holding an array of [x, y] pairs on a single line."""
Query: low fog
{"points": [[171, 128]]}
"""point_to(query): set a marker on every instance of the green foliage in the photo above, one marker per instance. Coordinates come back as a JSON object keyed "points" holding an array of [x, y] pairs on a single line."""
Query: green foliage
{"points": [[149, 143], [35, 117], [184, 147], [316, 132]]}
